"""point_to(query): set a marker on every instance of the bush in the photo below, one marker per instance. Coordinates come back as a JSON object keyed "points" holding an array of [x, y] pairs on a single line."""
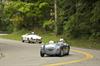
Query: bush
{"points": [[48, 25]]}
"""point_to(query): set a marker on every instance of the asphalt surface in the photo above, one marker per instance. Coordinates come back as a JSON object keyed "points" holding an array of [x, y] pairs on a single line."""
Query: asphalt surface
{"points": [[16, 53]]}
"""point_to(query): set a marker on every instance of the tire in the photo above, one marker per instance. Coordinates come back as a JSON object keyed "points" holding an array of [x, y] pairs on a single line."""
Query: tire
{"points": [[40, 42], [22, 40], [42, 54], [33, 42], [68, 50], [28, 40], [61, 53]]}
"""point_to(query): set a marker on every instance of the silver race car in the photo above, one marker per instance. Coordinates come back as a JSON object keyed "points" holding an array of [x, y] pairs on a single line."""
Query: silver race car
{"points": [[59, 49]]}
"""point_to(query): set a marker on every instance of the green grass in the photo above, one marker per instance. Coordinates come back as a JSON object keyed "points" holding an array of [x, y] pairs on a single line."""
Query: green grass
{"points": [[83, 43], [47, 36], [50, 36], [14, 36], [11, 36]]}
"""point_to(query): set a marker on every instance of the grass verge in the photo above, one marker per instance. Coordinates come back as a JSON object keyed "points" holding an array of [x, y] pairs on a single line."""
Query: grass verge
{"points": [[46, 36], [83, 43]]}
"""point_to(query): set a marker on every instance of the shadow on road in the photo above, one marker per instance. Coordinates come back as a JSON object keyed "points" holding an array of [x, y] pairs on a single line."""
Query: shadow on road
{"points": [[58, 56]]}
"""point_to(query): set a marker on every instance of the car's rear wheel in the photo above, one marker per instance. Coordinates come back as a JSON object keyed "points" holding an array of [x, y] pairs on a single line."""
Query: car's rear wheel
{"points": [[68, 50], [28, 40], [61, 53], [42, 54]]}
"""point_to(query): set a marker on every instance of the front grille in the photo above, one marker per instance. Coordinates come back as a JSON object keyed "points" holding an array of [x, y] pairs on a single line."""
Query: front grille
{"points": [[50, 49]]}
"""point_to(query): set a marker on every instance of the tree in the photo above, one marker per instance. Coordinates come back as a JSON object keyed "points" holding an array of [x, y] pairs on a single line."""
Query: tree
{"points": [[83, 21], [26, 14]]}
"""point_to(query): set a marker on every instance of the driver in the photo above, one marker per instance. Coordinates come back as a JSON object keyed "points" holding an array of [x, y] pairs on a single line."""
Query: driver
{"points": [[32, 33], [51, 42], [61, 40]]}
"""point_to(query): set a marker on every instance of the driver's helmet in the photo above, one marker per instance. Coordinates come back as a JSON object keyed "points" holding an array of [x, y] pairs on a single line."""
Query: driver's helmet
{"points": [[32, 32], [61, 40], [51, 42]]}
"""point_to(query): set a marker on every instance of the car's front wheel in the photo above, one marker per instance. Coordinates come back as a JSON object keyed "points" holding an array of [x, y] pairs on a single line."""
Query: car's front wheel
{"points": [[42, 54], [40, 42], [22, 40]]}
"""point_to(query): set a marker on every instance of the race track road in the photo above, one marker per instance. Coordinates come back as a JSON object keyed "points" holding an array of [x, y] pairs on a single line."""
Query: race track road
{"points": [[16, 53]]}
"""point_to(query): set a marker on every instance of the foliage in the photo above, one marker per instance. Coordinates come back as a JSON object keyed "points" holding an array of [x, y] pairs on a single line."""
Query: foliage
{"points": [[48, 25], [15, 11], [76, 18], [23, 14], [84, 22]]}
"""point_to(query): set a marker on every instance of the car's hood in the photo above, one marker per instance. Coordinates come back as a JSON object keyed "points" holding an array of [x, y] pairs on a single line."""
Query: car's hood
{"points": [[51, 46]]}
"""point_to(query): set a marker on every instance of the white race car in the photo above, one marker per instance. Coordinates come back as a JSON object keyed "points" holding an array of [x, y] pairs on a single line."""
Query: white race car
{"points": [[31, 37]]}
